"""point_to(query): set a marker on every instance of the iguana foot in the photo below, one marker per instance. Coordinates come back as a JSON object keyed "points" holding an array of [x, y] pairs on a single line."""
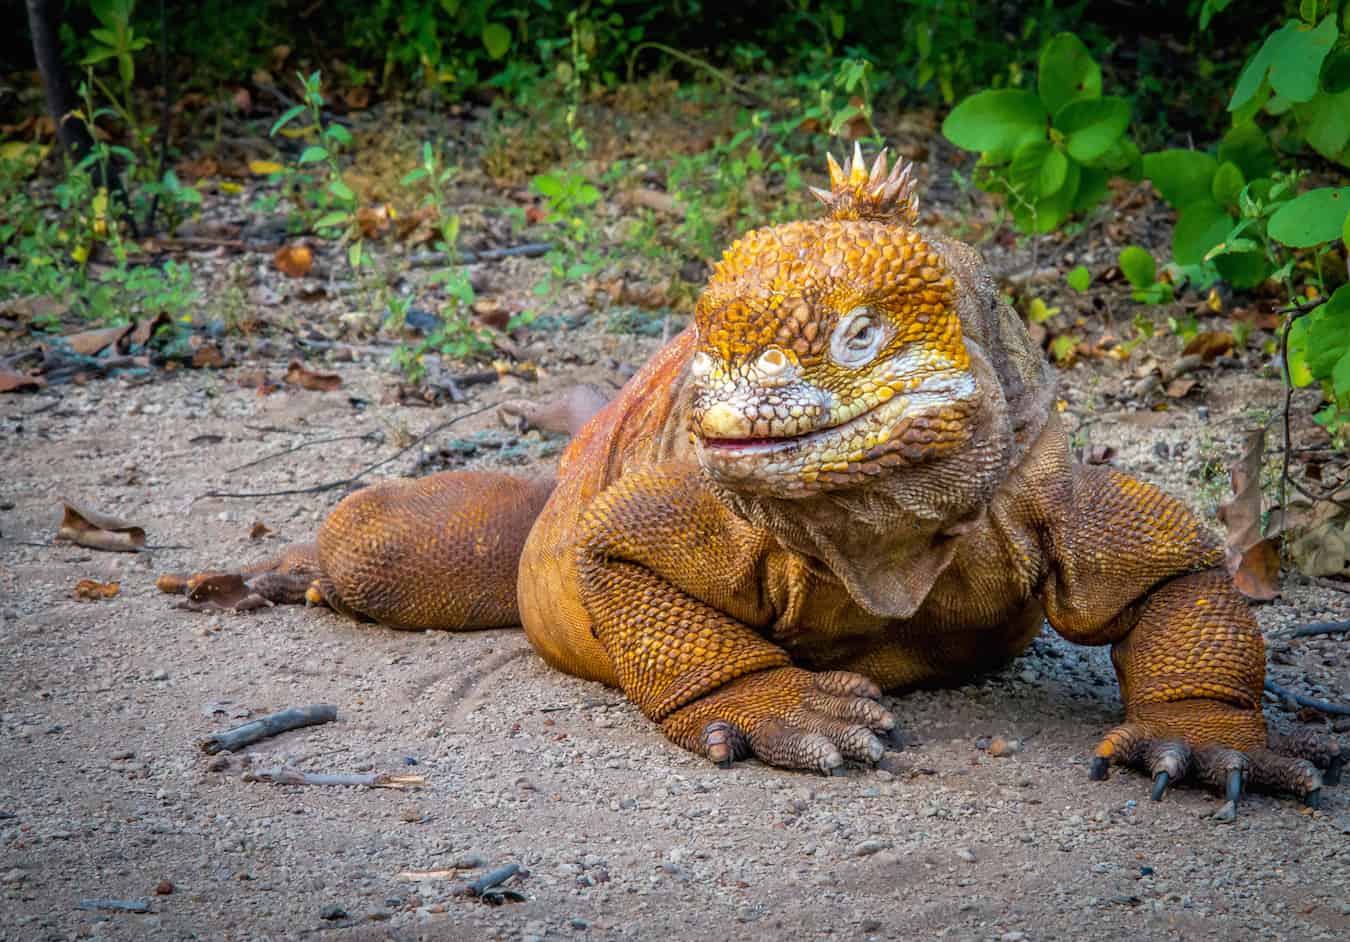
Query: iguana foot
{"points": [[289, 578], [787, 717], [1223, 747]]}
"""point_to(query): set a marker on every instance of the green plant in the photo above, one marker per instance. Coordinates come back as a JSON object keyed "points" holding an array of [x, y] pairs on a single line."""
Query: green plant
{"points": [[1051, 151], [325, 201], [1141, 271], [1318, 351]]}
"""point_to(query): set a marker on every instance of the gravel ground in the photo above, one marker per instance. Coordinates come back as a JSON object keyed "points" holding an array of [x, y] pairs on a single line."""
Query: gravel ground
{"points": [[104, 794]]}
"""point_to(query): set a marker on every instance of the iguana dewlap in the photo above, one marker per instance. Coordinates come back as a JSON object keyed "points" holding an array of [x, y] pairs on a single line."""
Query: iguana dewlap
{"points": [[845, 477]]}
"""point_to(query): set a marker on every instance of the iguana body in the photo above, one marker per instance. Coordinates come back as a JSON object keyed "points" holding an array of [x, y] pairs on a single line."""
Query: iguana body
{"points": [[845, 477]]}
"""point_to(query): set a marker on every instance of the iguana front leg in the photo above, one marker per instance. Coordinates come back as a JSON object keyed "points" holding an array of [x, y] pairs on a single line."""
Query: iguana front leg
{"points": [[673, 582], [1188, 653]]}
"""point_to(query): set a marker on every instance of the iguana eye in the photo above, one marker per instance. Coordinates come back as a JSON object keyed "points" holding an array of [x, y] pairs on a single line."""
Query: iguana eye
{"points": [[857, 338]]}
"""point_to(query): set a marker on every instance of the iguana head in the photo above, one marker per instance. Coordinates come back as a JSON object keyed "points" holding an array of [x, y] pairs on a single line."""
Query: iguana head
{"points": [[830, 350]]}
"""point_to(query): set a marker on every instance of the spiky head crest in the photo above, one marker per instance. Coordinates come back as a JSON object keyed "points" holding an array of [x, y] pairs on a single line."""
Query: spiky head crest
{"points": [[856, 193]]}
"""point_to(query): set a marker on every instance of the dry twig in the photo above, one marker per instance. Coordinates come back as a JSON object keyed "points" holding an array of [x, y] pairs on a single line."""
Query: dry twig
{"points": [[271, 725]]}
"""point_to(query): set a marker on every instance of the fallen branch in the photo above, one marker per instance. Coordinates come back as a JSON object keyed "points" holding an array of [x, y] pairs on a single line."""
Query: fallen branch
{"points": [[271, 725], [117, 905], [1321, 628], [483, 887], [287, 775], [364, 436], [424, 876], [1332, 709], [331, 485], [528, 250]]}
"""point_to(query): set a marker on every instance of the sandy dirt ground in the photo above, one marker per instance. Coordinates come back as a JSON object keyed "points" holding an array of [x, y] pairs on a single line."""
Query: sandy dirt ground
{"points": [[105, 794]]}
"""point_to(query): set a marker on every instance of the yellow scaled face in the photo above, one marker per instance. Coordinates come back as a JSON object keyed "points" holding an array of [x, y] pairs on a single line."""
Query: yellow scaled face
{"points": [[828, 351]]}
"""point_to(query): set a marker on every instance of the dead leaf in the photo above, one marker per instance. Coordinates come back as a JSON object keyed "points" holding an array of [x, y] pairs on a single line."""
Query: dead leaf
{"points": [[98, 531], [565, 413], [264, 168], [656, 200], [357, 99], [298, 375], [1099, 454], [1253, 560], [293, 261], [93, 342], [202, 168], [14, 381], [1178, 388], [259, 530], [91, 590], [373, 220], [34, 307], [1318, 538], [146, 328], [1209, 345], [207, 355], [257, 380]]}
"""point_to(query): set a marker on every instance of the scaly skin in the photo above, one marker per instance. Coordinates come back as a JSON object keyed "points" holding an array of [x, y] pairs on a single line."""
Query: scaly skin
{"points": [[844, 478]]}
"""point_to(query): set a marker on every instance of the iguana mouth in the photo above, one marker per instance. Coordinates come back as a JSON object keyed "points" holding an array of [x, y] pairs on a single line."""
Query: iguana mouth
{"points": [[771, 443]]}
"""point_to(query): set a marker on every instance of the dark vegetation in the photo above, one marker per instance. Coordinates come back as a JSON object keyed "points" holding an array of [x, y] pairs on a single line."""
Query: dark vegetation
{"points": [[1205, 146]]}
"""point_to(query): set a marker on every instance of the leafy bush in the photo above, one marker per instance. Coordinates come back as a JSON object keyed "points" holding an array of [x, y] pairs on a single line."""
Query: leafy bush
{"points": [[1050, 151]]}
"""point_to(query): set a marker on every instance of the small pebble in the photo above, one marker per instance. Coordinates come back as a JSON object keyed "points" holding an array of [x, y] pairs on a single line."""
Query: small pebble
{"points": [[1000, 747], [966, 854], [163, 887], [333, 911]]}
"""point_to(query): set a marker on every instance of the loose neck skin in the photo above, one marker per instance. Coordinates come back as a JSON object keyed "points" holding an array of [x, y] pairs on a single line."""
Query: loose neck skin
{"points": [[889, 538]]}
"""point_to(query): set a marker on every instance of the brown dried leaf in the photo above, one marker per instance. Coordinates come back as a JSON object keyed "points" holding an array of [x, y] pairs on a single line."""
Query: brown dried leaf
{"points": [[1209, 345], [293, 261], [207, 355], [373, 220], [1178, 388], [92, 342], [1252, 560], [98, 531], [357, 99], [146, 327], [91, 590], [34, 307], [259, 530], [298, 375], [14, 381], [257, 380]]}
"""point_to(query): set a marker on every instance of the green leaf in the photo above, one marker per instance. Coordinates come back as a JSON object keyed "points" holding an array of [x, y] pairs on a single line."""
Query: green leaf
{"points": [[1138, 266], [547, 186], [1092, 125], [1313, 218], [312, 154], [1067, 72], [1091, 189], [1336, 72], [1181, 176], [996, 122], [1345, 232], [1054, 172], [341, 190], [1200, 227], [1243, 270], [1248, 147], [1079, 279], [1227, 184], [337, 217], [1292, 58], [338, 133], [496, 40], [1329, 333], [1297, 347], [354, 253], [1326, 124], [289, 115]]}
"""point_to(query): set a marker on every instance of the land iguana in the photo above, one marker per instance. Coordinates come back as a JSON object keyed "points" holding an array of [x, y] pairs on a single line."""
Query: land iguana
{"points": [[845, 477]]}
